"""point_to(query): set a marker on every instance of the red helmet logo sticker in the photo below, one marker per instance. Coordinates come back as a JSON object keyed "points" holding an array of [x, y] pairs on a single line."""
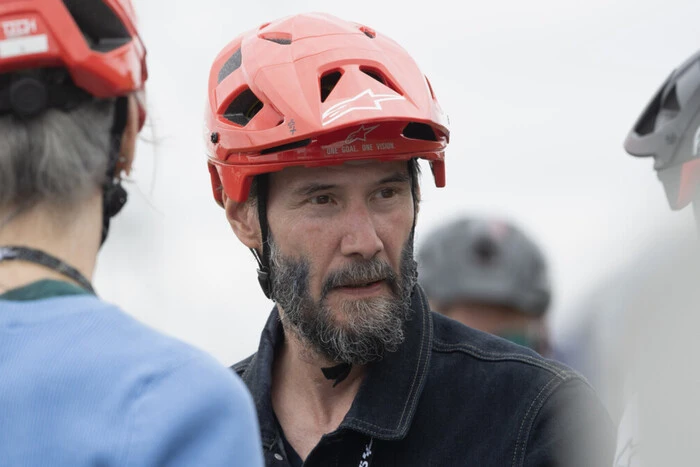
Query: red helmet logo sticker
{"points": [[360, 134], [366, 100]]}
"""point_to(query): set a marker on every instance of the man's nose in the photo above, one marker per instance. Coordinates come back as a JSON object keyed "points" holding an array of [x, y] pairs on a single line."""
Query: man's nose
{"points": [[360, 238]]}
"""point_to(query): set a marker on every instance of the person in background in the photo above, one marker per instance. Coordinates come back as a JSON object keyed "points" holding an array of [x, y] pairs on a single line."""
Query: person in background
{"points": [[315, 128], [487, 274], [83, 383], [659, 424]]}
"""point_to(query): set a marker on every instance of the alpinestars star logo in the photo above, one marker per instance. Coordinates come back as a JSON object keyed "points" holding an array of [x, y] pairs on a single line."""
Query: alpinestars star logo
{"points": [[366, 100], [360, 134], [696, 143]]}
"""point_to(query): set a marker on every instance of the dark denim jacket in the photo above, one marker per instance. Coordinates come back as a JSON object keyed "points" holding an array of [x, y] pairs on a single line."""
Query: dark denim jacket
{"points": [[450, 396]]}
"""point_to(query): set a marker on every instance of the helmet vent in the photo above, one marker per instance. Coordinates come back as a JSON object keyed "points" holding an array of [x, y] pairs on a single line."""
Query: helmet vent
{"points": [[485, 251], [379, 76], [328, 82], [671, 100], [231, 65], [101, 27], [243, 108], [421, 131], [286, 147], [647, 122], [369, 32], [282, 38]]}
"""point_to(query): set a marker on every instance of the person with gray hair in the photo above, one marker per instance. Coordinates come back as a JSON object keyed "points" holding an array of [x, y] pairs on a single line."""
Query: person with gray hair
{"points": [[83, 383], [487, 274]]}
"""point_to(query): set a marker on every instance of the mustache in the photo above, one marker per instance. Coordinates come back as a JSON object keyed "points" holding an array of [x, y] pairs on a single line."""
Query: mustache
{"points": [[362, 272]]}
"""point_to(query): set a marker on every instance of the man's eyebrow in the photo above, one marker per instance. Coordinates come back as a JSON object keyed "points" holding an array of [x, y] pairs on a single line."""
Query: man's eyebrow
{"points": [[397, 177], [311, 188]]}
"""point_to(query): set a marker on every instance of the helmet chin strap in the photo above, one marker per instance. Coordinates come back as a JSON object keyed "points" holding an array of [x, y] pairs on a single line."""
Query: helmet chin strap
{"points": [[114, 195], [264, 272]]}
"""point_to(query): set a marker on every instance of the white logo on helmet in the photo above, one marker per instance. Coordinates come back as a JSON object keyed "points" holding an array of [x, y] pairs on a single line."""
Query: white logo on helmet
{"points": [[19, 27], [696, 143], [366, 100]]}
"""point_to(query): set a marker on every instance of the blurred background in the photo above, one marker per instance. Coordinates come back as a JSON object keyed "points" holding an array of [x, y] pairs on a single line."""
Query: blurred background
{"points": [[540, 96]]}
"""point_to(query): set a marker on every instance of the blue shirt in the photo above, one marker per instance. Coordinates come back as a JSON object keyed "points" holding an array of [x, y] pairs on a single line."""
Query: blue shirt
{"points": [[82, 383]]}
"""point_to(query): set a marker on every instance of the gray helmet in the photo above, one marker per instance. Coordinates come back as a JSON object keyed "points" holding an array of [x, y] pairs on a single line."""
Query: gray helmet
{"points": [[484, 261], [669, 131]]}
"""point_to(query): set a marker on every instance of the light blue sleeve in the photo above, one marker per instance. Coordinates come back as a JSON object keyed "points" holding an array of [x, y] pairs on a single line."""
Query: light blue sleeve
{"points": [[199, 413]]}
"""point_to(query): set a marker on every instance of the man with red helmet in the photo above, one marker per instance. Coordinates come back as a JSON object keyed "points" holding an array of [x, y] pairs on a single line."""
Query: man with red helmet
{"points": [[82, 382], [314, 128]]}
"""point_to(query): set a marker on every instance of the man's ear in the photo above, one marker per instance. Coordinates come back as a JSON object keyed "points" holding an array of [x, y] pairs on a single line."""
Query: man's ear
{"points": [[243, 218], [128, 141]]}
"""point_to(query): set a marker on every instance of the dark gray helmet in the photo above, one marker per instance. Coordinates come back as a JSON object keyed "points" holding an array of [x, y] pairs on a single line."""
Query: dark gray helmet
{"points": [[669, 131], [484, 261]]}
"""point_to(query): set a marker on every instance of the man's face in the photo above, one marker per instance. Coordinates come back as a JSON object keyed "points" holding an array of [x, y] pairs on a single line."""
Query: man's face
{"points": [[342, 256]]}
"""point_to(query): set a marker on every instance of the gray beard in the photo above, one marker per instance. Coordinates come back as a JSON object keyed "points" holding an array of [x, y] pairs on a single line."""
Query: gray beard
{"points": [[369, 327]]}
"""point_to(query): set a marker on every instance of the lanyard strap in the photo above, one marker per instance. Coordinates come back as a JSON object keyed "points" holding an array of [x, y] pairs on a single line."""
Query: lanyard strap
{"points": [[9, 253]]}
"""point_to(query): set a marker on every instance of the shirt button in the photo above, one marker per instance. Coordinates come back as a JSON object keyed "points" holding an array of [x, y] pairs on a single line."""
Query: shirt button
{"points": [[278, 456]]}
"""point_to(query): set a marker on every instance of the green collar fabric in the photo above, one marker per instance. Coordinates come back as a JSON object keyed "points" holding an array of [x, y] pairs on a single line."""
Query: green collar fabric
{"points": [[46, 288]]}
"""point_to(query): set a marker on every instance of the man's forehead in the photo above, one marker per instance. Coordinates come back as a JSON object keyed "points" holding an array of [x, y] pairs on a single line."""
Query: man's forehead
{"points": [[349, 172]]}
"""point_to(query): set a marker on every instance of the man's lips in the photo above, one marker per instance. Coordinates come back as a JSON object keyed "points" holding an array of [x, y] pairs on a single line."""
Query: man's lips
{"points": [[359, 285], [362, 288]]}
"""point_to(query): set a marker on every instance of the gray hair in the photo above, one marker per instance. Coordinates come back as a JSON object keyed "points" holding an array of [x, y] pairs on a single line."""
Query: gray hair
{"points": [[57, 157]]}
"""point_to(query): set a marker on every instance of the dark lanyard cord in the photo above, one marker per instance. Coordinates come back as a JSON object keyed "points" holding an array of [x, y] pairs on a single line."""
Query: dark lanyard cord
{"points": [[9, 253]]}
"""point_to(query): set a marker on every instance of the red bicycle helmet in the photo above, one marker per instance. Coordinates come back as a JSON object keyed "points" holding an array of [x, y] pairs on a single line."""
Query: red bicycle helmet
{"points": [[95, 40], [313, 90]]}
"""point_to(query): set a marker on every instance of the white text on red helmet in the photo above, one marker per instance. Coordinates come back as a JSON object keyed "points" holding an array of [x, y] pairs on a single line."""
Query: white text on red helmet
{"points": [[19, 27]]}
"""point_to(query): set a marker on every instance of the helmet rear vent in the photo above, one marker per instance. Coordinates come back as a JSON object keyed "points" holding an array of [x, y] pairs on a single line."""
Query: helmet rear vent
{"points": [[421, 131], [231, 65], [243, 108], [101, 27], [328, 82], [286, 147], [379, 76]]}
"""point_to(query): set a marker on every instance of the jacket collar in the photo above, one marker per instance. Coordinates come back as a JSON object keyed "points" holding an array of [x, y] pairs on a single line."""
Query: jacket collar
{"points": [[387, 399]]}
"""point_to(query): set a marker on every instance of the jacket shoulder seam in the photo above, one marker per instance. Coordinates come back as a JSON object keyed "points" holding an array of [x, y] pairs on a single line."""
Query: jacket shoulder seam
{"points": [[480, 354]]}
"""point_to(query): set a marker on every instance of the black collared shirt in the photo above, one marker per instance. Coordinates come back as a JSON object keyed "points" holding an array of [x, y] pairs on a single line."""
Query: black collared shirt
{"points": [[449, 396]]}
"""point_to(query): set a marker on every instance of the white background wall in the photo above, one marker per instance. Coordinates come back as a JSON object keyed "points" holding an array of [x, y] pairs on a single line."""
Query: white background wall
{"points": [[540, 95]]}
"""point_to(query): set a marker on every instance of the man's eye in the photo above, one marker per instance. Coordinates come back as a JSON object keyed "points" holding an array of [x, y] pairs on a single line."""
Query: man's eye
{"points": [[387, 193], [322, 199]]}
